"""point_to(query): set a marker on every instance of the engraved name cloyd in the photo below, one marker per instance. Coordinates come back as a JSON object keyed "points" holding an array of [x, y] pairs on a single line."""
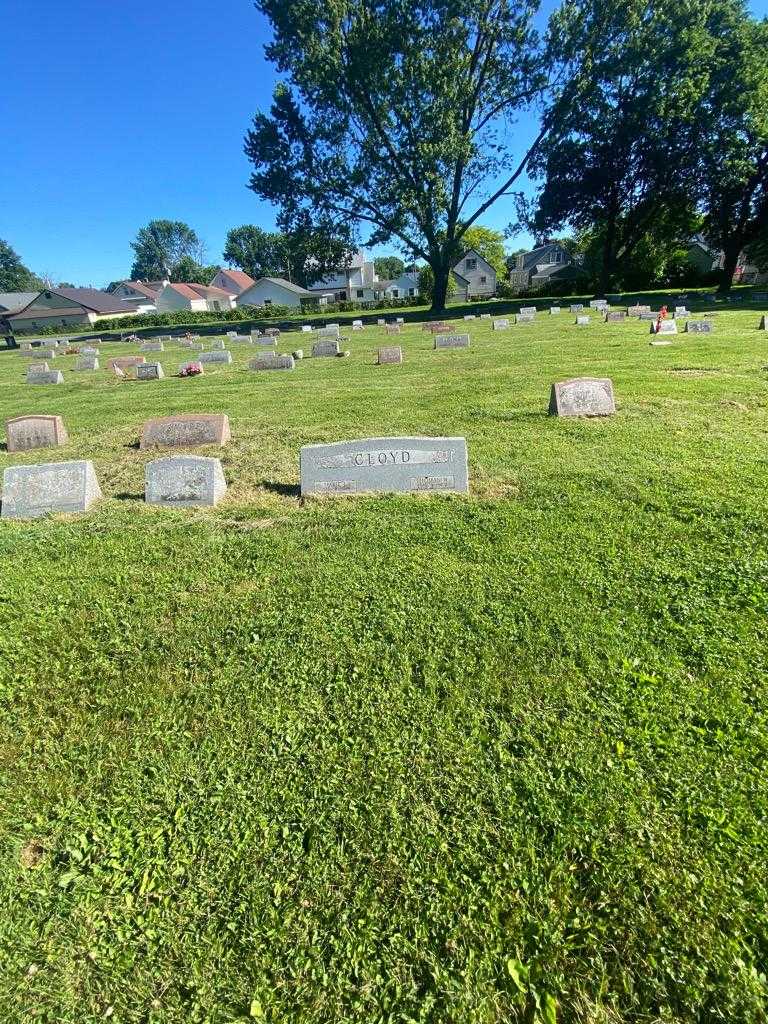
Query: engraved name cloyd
{"points": [[398, 464]]}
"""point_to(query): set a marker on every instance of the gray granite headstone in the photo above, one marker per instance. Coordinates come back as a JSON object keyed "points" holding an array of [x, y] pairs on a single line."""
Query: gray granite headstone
{"points": [[266, 341], [648, 314], [87, 363], [34, 368], [184, 481], [764, 323], [186, 431], [615, 316], [380, 323], [329, 331], [218, 344], [330, 347], [385, 465], [451, 341], [271, 361], [45, 353], [152, 346], [526, 310], [681, 311], [44, 376], [26, 433], [390, 354], [665, 327], [598, 304], [582, 396], [395, 328], [500, 325], [554, 310], [525, 318], [582, 321], [215, 357], [576, 307], [699, 327], [32, 491], [637, 309], [88, 351], [149, 371]]}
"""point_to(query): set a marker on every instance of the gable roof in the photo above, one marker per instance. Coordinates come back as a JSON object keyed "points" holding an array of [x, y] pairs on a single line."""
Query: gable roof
{"points": [[476, 254], [238, 276], [198, 291], [89, 298], [289, 286], [12, 302], [142, 288]]}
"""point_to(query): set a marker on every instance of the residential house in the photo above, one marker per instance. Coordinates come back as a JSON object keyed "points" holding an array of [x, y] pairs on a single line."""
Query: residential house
{"points": [[13, 302], [139, 296], [198, 298], [478, 273], [701, 255], [407, 285], [276, 291], [234, 282], [547, 263], [66, 307], [356, 283]]}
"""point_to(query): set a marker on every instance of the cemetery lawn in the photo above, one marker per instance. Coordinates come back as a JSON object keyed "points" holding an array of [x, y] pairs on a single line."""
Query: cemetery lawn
{"points": [[397, 759]]}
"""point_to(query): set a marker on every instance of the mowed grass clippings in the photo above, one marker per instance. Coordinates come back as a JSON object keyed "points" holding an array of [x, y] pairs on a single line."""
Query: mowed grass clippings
{"points": [[397, 759]]}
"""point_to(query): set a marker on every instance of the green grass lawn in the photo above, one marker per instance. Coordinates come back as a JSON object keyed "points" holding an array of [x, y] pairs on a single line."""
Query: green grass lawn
{"points": [[397, 759]]}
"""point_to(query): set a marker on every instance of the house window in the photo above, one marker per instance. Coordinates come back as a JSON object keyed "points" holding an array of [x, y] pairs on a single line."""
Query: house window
{"points": [[216, 305], [411, 291], [470, 264], [342, 296], [360, 293], [267, 302], [395, 293], [558, 256], [483, 279]]}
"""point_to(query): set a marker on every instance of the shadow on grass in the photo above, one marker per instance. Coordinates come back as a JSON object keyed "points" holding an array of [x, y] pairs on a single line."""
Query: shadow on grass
{"points": [[286, 490], [129, 496], [510, 417]]}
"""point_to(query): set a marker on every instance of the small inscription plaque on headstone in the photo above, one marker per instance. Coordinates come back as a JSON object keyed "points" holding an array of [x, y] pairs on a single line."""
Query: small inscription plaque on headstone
{"points": [[385, 464], [582, 396], [32, 491], [451, 341], [184, 481], [25, 433], [185, 431]]}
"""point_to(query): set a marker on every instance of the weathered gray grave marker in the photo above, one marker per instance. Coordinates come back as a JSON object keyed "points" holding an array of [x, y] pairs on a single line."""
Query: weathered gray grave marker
{"points": [[271, 361], [36, 376], [500, 325], [451, 341], [385, 465], [184, 481], [149, 371], [215, 357], [582, 396], [32, 491], [390, 354], [582, 321], [186, 431], [699, 327], [87, 363], [330, 347], [664, 327]]}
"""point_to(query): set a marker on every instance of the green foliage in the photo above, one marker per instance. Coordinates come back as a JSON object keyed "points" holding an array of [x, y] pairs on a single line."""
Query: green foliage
{"points": [[397, 759], [257, 252], [409, 143], [389, 268], [189, 271], [489, 244], [160, 246], [303, 256], [427, 284], [14, 276]]}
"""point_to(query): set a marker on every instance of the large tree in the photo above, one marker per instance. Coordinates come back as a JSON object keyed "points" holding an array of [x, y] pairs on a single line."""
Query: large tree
{"points": [[734, 141], [388, 268], [14, 276], [160, 246], [396, 117], [259, 253], [304, 255], [190, 271], [624, 162]]}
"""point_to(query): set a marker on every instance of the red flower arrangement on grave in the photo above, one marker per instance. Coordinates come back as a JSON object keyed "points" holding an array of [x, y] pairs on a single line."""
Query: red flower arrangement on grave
{"points": [[662, 316], [191, 370]]}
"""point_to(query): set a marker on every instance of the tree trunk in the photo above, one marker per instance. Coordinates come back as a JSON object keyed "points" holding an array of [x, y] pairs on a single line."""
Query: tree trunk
{"points": [[730, 259], [441, 272]]}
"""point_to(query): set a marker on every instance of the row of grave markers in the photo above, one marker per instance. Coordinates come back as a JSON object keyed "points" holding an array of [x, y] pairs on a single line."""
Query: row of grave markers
{"points": [[366, 466]]}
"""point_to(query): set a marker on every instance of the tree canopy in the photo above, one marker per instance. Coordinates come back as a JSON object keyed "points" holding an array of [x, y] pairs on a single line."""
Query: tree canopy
{"points": [[302, 256], [159, 248], [414, 144], [489, 244], [388, 268], [14, 276]]}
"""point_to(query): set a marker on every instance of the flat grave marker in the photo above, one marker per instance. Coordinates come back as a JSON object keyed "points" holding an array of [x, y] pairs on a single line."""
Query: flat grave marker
{"points": [[186, 431], [26, 433], [184, 481], [32, 491], [582, 396], [385, 465]]}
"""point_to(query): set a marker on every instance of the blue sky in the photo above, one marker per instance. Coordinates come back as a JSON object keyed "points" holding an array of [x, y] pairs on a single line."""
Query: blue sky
{"points": [[114, 115]]}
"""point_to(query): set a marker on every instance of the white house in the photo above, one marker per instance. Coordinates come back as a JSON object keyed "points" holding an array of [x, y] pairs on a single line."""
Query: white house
{"points": [[196, 297], [234, 282], [357, 282], [478, 273], [407, 285], [276, 291]]}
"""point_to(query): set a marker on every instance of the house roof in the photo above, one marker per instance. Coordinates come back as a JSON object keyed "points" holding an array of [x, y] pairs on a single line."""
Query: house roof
{"points": [[462, 279], [12, 302], [143, 288], [199, 291], [44, 312], [288, 285], [239, 277], [89, 298], [545, 270]]}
